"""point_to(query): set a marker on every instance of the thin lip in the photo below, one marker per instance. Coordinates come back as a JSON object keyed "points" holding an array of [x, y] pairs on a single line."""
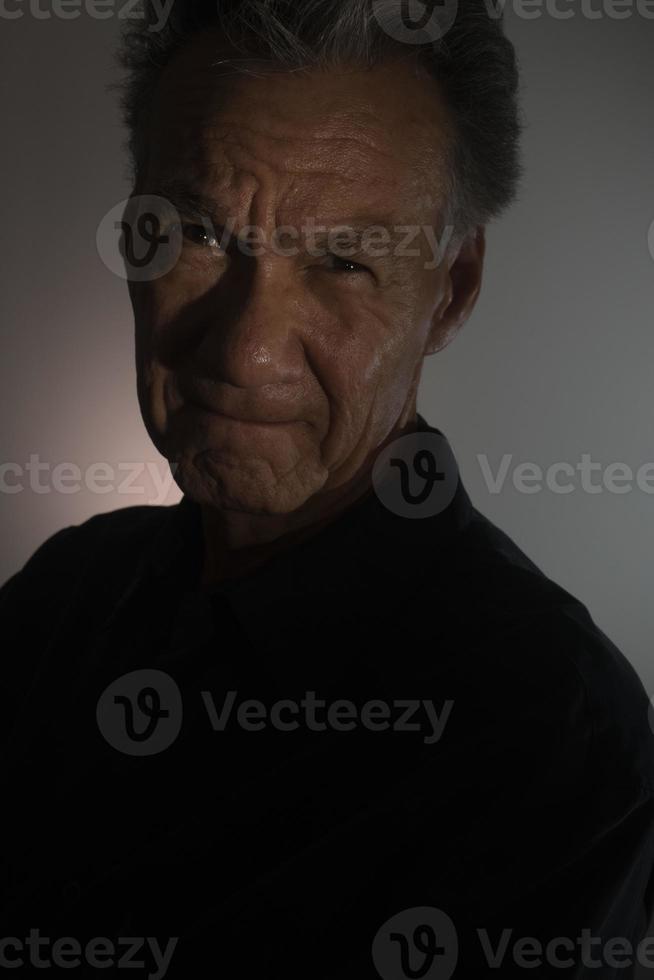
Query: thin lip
{"points": [[231, 418]]}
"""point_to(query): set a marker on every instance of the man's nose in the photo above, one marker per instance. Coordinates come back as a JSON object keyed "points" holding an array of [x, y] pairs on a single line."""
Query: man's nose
{"points": [[252, 333]]}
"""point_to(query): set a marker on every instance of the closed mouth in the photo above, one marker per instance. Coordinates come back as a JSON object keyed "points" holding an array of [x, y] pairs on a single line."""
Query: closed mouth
{"points": [[231, 418]]}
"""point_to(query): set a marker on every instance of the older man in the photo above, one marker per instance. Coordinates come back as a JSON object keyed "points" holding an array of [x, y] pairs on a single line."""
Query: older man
{"points": [[321, 718]]}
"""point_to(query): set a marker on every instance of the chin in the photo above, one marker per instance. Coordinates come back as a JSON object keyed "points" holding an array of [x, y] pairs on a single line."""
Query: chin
{"points": [[249, 488]]}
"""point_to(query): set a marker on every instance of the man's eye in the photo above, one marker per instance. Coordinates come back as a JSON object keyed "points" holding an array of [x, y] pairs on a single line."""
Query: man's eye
{"points": [[340, 264], [199, 235]]}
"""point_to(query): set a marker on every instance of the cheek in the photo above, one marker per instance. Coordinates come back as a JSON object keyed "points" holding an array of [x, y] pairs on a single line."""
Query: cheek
{"points": [[152, 387], [153, 376], [146, 303], [364, 359], [389, 369], [161, 333], [380, 352], [345, 352]]}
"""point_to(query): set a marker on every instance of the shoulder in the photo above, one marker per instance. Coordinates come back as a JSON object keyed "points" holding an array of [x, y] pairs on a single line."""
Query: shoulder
{"points": [[535, 650], [72, 578], [68, 554]]}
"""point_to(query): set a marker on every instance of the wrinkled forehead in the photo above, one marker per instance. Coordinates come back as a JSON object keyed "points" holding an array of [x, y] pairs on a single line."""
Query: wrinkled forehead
{"points": [[346, 135]]}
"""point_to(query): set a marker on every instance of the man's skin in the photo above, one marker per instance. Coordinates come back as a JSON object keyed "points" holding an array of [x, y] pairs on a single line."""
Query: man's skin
{"points": [[316, 362]]}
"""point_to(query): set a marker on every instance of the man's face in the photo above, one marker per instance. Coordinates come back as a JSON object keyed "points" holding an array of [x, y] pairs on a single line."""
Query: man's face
{"points": [[271, 377]]}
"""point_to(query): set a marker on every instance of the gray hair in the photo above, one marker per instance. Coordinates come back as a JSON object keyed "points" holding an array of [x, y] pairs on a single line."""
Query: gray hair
{"points": [[473, 62]]}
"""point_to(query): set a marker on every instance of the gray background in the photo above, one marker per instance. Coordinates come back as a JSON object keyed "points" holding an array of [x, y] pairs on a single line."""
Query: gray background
{"points": [[556, 360]]}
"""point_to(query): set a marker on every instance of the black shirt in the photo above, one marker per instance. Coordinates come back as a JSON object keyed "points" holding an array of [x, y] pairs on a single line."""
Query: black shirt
{"points": [[439, 733]]}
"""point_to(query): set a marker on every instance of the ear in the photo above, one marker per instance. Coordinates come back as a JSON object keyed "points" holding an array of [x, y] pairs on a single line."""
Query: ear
{"points": [[462, 270]]}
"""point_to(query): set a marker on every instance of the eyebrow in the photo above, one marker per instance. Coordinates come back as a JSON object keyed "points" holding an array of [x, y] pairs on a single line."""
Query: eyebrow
{"points": [[193, 203], [356, 228], [188, 200]]}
